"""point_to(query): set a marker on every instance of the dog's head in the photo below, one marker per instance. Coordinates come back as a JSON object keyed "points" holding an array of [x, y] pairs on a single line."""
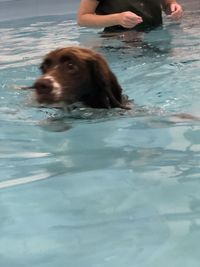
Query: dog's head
{"points": [[75, 74]]}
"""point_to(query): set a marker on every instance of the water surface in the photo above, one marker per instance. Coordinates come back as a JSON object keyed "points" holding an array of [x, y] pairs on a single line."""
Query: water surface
{"points": [[105, 190]]}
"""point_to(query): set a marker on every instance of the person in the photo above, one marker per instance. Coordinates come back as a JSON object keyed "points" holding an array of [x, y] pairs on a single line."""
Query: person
{"points": [[117, 15]]}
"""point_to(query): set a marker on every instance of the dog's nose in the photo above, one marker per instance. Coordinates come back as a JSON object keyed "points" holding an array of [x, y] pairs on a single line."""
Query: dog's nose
{"points": [[43, 86]]}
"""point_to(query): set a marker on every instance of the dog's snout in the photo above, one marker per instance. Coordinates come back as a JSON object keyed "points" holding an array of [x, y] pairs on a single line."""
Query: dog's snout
{"points": [[43, 86]]}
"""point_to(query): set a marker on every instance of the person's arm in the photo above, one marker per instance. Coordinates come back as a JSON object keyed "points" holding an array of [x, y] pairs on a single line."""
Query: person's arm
{"points": [[86, 17], [172, 9]]}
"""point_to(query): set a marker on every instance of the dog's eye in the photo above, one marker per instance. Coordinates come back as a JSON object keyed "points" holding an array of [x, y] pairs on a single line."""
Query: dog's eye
{"points": [[46, 64], [70, 66], [67, 61]]}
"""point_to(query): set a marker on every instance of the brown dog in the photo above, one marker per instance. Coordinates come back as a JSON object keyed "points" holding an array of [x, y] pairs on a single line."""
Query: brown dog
{"points": [[75, 74]]}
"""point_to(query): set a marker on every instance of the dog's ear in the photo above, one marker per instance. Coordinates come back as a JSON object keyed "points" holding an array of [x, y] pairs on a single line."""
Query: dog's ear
{"points": [[106, 91]]}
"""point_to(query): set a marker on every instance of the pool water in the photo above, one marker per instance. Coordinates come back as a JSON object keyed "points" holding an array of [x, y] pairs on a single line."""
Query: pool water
{"points": [[103, 190]]}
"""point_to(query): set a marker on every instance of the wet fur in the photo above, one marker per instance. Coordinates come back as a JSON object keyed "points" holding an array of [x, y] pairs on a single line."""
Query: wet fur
{"points": [[75, 74]]}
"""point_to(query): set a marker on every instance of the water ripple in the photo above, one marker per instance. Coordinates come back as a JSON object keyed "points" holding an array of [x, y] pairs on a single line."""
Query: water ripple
{"points": [[25, 180]]}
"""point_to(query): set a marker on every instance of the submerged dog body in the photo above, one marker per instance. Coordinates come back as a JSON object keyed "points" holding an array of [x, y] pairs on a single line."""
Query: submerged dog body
{"points": [[75, 74]]}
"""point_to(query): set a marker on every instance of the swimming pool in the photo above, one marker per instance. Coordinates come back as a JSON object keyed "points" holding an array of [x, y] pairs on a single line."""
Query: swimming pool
{"points": [[104, 191]]}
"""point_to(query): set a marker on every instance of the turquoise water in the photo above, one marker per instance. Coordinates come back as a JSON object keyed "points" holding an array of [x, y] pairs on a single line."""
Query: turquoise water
{"points": [[107, 190]]}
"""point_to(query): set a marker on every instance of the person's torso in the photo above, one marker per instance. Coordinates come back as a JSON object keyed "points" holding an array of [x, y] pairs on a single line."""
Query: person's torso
{"points": [[149, 10]]}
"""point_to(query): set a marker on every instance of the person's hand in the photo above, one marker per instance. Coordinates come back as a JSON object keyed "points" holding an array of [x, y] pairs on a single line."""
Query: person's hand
{"points": [[176, 11], [129, 19]]}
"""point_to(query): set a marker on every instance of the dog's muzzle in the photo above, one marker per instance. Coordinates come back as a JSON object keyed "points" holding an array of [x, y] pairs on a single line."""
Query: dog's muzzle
{"points": [[46, 85]]}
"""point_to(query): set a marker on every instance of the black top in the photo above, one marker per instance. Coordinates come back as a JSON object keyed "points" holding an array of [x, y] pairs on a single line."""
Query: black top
{"points": [[149, 10]]}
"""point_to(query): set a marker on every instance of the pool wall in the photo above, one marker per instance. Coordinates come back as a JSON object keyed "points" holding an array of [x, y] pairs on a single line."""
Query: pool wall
{"points": [[15, 9]]}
